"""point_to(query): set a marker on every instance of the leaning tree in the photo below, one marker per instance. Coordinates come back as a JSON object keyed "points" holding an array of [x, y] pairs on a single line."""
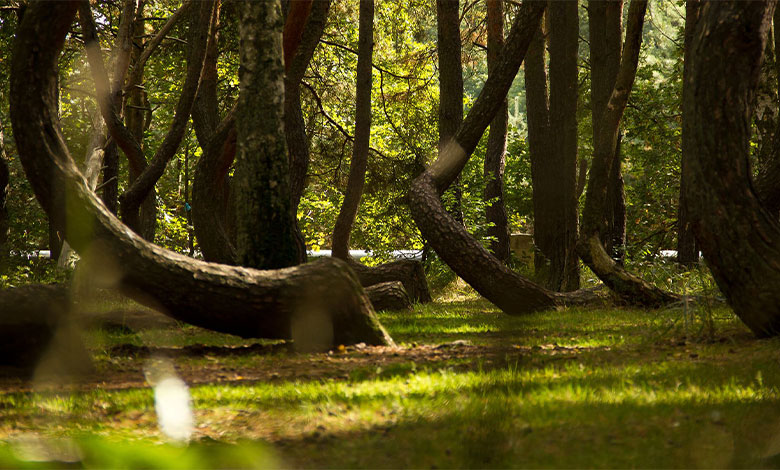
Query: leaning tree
{"points": [[738, 235], [318, 304]]}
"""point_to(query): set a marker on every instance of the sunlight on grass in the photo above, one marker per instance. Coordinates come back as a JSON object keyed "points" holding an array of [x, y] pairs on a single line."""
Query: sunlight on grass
{"points": [[571, 388]]}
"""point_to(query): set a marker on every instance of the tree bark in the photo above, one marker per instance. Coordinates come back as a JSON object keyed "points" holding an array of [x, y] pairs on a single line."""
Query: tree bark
{"points": [[687, 250], [564, 43], [450, 87], [389, 296], [740, 239], [508, 290], [629, 287], [359, 162], [322, 297], [265, 227], [495, 154], [409, 273], [5, 249]]}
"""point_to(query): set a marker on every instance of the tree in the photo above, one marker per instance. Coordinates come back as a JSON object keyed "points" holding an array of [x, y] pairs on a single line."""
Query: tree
{"points": [[265, 235], [628, 286], [148, 173], [322, 297], [360, 148], [552, 129], [495, 154], [4, 184], [738, 236], [450, 84], [687, 251], [508, 290]]}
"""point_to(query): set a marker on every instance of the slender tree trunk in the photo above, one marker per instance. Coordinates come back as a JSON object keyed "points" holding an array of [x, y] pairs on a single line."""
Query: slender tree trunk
{"points": [[319, 305], [564, 42], [740, 239], [629, 287], [615, 233], [687, 249], [495, 155], [109, 191], [542, 170], [360, 148], [450, 86], [4, 222], [265, 229]]}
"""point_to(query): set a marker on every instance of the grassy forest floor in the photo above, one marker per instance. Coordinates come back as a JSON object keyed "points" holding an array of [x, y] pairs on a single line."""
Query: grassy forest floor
{"points": [[467, 386]]}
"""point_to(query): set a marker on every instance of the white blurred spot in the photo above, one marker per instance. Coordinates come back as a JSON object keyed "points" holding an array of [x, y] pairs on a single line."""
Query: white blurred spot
{"points": [[172, 400]]}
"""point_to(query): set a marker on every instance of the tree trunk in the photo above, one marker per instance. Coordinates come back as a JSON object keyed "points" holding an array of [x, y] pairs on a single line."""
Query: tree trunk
{"points": [[450, 87], [466, 256], [495, 154], [321, 298], [389, 296], [409, 273], [564, 43], [540, 150], [265, 236], [360, 147], [109, 192], [740, 239], [687, 250], [615, 232], [4, 222], [605, 136]]}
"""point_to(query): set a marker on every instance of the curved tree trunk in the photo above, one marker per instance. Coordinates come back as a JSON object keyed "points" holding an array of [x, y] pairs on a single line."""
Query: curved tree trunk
{"points": [[495, 155], [410, 273], [389, 296], [629, 287], [466, 256], [687, 250], [357, 167], [322, 297], [740, 239]]}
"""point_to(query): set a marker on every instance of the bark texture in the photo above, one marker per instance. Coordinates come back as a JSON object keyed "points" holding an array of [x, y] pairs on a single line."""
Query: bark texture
{"points": [[495, 154], [360, 147], [265, 229], [409, 273], [629, 287], [467, 257], [4, 222], [389, 296], [450, 86], [740, 239], [687, 249], [318, 304]]}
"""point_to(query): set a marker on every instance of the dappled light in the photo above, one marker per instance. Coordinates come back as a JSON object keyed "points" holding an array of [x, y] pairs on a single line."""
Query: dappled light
{"points": [[372, 234]]}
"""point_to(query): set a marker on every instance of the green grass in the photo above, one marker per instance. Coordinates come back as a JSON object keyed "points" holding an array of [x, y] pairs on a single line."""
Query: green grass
{"points": [[470, 387]]}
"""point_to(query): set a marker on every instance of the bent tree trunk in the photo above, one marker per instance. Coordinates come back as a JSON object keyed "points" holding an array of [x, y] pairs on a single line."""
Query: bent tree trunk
{"points": [[509, 291], [281, 303], [740, 239], [590, 247]]}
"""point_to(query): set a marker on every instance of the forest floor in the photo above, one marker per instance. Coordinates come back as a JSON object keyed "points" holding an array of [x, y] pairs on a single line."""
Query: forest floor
{"points": [[466, 386]]}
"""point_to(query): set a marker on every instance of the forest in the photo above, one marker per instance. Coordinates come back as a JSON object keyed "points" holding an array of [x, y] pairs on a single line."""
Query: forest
{"points": [[372, 234]]}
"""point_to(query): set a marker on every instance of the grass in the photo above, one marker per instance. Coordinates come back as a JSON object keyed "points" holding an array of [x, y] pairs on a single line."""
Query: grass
{"points": [[468, 387]]}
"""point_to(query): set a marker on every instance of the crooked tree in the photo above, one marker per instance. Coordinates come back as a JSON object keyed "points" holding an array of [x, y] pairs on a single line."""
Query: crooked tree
{"points": [[738, 235], [322, 297]]}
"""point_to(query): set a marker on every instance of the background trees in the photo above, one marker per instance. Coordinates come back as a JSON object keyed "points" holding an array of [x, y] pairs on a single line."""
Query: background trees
{"points": [[606, 112]]}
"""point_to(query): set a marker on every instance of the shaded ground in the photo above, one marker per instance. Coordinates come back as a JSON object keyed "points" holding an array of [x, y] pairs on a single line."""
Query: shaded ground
{"points": [[467, 387]]}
